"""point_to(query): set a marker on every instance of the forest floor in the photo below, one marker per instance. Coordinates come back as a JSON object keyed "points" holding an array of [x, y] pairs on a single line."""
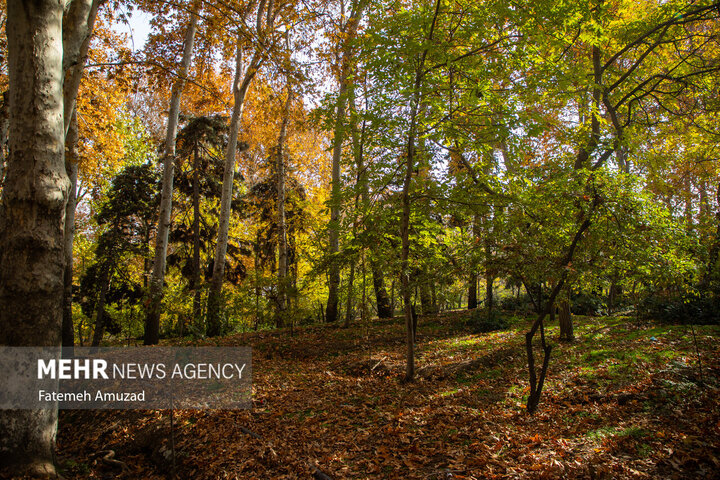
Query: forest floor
{"points": [[625, 400]]}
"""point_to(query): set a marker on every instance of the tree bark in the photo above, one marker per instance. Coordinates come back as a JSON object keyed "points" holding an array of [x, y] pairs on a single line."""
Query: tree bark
{"points": [[426, 305], [565, 320], [472, 302], [489, 299], [282, 227], [32, 216], [78, 24], [256, 261], [4, 126], [384, 306], [349, 313], [103, 284], [71, 167], [405, 197], [489, 276], [241, 83], [157, 279], [197, 292], [339, 136]]}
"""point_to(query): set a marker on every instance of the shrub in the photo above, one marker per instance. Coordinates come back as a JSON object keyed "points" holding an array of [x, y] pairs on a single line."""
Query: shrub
{"points": [[690, 309], [589, 304], [481, 322], [515, 304]]}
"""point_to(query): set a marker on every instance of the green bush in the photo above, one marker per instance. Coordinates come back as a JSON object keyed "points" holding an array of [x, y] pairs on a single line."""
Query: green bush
{"points": [[589, 304], [689, 309], [515, 304], [481, 322]]}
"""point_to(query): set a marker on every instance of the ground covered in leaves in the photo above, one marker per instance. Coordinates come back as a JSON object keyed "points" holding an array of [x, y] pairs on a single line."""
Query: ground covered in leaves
{"points": [[628, 399]]}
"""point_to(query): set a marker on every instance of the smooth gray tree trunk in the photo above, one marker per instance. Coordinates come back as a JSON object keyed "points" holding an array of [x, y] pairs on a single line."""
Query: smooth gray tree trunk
{"points": [[78, 24], [71, 167], [32, 216], [157, 279], [241, 84]]}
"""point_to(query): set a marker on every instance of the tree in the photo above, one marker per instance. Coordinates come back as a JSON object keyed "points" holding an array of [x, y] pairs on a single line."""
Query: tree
{"points": [[348, 30], [78, 26], [152, 321], [198, 145], [410, 166], [125, 219], [31, 220], [280, 155], [244, 74], [636, 68]]}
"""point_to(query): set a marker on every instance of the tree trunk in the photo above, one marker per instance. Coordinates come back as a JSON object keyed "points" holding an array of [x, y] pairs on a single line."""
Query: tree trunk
{"points": [[565, 320], [256, 261], [405, 197], [197, 279], [71, 167], [384, 306], [241, 84], [103, 283], [78, 25], [583, 155], [425, 297], [382, 300], [614, 292], [152, 320], [349, 314], [688, 203], [4, 126], [282, 227], [405, 237], [334, 227], [472, 302], [489, 300], [489, 277], [32, 217], [392, 297]]}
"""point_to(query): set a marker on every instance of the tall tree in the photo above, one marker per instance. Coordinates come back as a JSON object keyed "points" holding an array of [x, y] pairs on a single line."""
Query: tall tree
{"points": [[244, 75], [349, 32], [410, 154], [199, 145], [152, 320], [31, 216], [281, 220], [77, 30]]}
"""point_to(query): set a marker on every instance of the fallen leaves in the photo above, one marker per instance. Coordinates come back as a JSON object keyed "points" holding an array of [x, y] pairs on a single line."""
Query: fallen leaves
{"points": [[319, 401]]}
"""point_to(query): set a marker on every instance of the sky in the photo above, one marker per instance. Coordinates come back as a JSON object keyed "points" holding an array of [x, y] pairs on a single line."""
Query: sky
{"points": [[138, 28]]}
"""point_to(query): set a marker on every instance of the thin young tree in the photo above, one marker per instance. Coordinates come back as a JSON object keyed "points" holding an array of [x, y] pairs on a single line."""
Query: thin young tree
{"points": [[349, 30], [157, 279], [77, 31], [244, 75]]}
